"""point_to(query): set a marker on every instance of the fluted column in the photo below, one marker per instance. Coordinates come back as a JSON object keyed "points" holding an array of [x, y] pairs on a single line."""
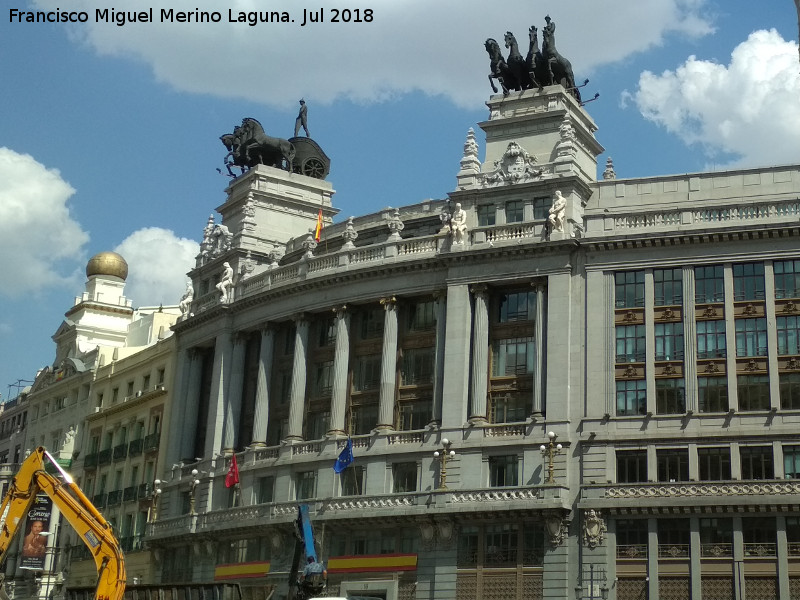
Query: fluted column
{"points": [[388, 364], [480, 354], [186, 429], [216, 406], [440, 311], [538, 344], [298, 393], [689, 341], [341, 361], [233, 400], [261, 417]]}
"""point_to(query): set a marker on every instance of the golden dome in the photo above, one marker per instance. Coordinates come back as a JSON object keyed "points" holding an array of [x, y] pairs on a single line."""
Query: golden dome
{"points": [[107, 263]]}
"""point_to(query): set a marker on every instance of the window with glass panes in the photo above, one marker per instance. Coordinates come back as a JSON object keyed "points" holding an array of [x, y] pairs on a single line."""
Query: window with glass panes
{"points": [[509, 407], [363, 417], [748, 281], [791, 461], [787, 278], [413, 414], [501, 543], [714, 464], [371, 323], [631, 466], [517, 306], [420, 316], [630, 343], [352, 479], [751, 337], [712, 394], [264, 489], [670, 396], [323, 379], [629, 289], [757, 462], [789, 385], [367, 372], [631, 397], [760, 532], [468, 546], [326, 332], [504, 470], [632, 532], [541, 207], [513, 356], [486, 215], [716, 537], [793, 536], [668, 287], [417, 366], [404, 477], [674, 538], [305, 485], [711, 339], [752, 392], [515, 211], [709, 284], [317, 424], [668, 339], [673, 464], [788, 335]]}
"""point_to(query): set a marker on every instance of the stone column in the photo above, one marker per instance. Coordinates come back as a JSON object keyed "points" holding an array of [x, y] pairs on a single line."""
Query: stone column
{"points": [[689, 341], [298, 393], [652, 556], [455, 382], [388, 364], [772, 335], [233, 401], [265, 355], [730, 341], [538, 343], [480, 354], [219, 379], [610, 360], [440, 311], [185, 428], [650, 343], [341, 362]]}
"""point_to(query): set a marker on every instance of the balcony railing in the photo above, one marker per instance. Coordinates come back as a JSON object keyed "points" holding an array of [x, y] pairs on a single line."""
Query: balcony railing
{"points": [[716, 550], [759, 549], [99, 500], [793, 548], [135, 447], [151, 442], [104, 457], [90, 461], [673, 550], [144, 491], [120, 451], [114, 498], [632, 551], [132, 543], [129, 493]]}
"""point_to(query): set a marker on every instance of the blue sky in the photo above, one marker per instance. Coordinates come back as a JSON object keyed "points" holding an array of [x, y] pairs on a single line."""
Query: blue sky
{"points": [[109, 136]]}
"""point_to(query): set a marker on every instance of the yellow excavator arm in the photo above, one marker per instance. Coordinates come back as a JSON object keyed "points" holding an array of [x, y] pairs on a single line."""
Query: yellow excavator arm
{"points": [[76, 508]]}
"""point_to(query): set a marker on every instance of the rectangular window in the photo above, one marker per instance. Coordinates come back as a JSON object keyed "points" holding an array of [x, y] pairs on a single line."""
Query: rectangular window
{"points": [[716, 531], [317, 424], [751, 337], [486, 215], [631, 466], [372, 323], [711, 339], [418, 365], [669, 341], [517, 306], [629, 289], [674, 537], [668, 284], [670, 396], [513, 357], [630, 343], [305, 485], [631, 397], [367, 373], [673, 465], [509, 407], [421, 316], [788, 335], [748, 281], [265, 487], [364, 418], [632, 532], [541, 207], [352, 479], [501, 545], [712, 394], [753, 392], [714, 464], [404, 477], [789, 384], [326, 332], [787, 278], [413, 415], [759, 536], [515, 211], [467, 548], [791, 462], [757, 462], [504, 471], [709, 284], [323, 379]]}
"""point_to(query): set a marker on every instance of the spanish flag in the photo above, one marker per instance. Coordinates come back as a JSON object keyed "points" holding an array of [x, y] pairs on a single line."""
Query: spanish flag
{"points": [[318, 230]]}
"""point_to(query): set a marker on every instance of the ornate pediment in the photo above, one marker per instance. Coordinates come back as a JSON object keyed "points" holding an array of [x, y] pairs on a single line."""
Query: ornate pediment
{"points": [[515, 166]]}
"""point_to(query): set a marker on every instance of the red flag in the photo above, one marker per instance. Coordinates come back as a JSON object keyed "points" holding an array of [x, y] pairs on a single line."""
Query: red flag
{"points": [[232, 478], [318, 230]]}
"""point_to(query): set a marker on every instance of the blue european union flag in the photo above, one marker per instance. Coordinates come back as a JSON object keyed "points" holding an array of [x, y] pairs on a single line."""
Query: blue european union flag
{"points": [[345, 457]]}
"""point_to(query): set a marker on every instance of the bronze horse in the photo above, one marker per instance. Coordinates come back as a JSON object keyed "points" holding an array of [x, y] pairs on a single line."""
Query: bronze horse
{"points": [[560, 69], [249, 146], [517, 64], [537, 64]]}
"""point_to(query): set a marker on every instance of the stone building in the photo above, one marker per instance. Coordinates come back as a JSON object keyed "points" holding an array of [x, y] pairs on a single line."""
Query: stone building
{"points": [[555, 386]]}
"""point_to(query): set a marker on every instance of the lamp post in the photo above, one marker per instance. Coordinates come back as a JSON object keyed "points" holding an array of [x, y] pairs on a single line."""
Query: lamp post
{"points": [[443, 455], [192, 489], [549, 451], [154, 500]]}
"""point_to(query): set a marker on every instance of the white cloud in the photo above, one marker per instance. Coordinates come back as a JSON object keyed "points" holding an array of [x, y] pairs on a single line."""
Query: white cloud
{"points": [[748, 108], [435, 47], [37, 232], [158, 261]]}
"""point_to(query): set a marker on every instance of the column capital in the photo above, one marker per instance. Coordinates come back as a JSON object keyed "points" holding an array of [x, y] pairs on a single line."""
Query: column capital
{"points": [[389, 303], [479, 289], [267, 328], [439, 295], [301, 318], [239, 337], [339, 311]]}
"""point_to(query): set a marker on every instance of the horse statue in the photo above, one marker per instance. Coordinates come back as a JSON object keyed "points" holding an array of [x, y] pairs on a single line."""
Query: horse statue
{"points": [[233, 158], [517, 63], [500, 69], [537, 65], [249, 146], [560, 69]]}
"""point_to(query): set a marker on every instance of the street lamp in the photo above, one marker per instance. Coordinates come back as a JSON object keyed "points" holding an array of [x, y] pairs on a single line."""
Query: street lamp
{"points": [[443, 455], [194, 484], [154, 500], [549, 451]]}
